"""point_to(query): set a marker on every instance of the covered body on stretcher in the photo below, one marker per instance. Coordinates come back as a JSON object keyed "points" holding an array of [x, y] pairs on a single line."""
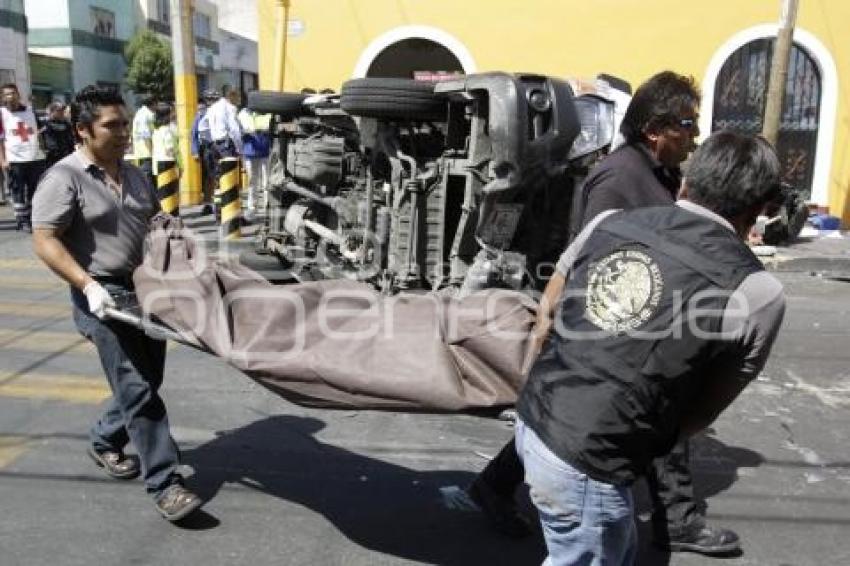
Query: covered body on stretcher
{"points": [[335, 343]]}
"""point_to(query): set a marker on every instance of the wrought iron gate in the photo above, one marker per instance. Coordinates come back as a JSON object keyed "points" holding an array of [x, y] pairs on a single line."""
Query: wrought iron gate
{"points": [[739, 97]]}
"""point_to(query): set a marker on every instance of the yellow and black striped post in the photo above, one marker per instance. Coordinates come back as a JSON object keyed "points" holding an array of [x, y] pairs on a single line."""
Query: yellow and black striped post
{"points": [[167, 186], [230, 202]]}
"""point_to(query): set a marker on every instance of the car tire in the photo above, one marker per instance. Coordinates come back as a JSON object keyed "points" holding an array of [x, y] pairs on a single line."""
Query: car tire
{"points": [[287, 105], [393, 99]]}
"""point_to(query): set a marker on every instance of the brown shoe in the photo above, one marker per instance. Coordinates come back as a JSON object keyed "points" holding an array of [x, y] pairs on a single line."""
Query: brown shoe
{"points": [[115, 464], [177, 502]]}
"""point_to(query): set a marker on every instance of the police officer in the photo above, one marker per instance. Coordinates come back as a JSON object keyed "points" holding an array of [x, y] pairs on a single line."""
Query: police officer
{"points": [[202, 148], [57, 134], [225, 131], [652, 340]]}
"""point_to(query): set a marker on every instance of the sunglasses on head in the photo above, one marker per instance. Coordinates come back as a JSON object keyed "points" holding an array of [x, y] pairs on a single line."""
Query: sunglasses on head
{"points": [[687, 123]]}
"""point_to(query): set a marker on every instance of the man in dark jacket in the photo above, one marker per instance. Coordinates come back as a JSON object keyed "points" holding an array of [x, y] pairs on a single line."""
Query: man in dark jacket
{"points": [[57, 134], [659, 128], [653, 339]]}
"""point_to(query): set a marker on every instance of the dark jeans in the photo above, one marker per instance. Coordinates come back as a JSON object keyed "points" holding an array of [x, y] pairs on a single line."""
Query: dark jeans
{"points": [[134, 364], [23, 180], [205, 157], [669, 478], [146, 165], [3, 186], [675, 511], [220, 150]]}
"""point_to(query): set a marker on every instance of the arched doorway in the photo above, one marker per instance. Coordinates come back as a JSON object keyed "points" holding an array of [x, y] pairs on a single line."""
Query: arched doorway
{"points": [[739, 99], [827, 113], [402, 51], [409, 57]]}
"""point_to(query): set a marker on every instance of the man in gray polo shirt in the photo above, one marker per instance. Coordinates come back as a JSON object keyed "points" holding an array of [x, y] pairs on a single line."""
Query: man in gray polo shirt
{"points": [[90, 217]]}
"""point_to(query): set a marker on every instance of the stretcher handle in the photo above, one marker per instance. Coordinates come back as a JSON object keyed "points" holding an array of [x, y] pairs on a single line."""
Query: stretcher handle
{"points": [[154, 330]]}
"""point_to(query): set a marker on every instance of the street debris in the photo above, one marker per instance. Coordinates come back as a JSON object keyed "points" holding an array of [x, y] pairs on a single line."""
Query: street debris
{"points": [[814, 478], [832, 397], [809, 456], [764, 251]]}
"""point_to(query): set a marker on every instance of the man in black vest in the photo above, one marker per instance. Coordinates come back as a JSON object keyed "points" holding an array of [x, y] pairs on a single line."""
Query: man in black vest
{"points": [[665, 316], [659, 128]]}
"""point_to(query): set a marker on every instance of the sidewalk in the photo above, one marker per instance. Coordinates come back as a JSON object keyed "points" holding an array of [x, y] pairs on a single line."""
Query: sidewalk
{"points": [[821, 252]]}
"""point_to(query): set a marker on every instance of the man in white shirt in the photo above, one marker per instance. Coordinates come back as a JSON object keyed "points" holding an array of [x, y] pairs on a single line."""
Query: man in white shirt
{"points": [[21, 157], [143, 127], [224, 126], [225, 133]]}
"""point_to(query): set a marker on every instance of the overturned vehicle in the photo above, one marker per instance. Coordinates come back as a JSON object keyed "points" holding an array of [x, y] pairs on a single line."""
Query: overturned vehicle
{"points": [[463, 188], [458, 185]]}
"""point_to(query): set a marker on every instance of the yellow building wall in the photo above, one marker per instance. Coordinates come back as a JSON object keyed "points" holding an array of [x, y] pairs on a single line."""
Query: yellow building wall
{"points": [[632, 39]]}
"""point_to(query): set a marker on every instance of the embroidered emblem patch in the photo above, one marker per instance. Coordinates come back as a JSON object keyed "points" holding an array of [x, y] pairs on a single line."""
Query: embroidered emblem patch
{"points": [[623, 291]]}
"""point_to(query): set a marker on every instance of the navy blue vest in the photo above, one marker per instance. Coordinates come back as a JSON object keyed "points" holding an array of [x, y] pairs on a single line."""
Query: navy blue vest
{"points": [[634, 339]]}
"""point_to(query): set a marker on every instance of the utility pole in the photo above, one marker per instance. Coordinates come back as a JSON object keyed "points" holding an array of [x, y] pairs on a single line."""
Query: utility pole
{"points": [[779, 71], [185, 96], [280, 35]]}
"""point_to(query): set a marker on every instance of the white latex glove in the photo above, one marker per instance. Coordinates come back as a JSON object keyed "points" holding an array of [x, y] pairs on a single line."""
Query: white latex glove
{"points": [[99, 299]]}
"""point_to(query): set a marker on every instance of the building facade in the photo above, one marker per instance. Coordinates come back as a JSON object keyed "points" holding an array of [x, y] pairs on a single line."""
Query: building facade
{"points": [[239, 63], [223, 55], [13, 38], [725, 44], [237, 23], [156, 15], [74, 43]]}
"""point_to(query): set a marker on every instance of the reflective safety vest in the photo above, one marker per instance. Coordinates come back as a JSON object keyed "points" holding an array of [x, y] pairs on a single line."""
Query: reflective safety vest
{"points": [[166, 146], [143, 128]]}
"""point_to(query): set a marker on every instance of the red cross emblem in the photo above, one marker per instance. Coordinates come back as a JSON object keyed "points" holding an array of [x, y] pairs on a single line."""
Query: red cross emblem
{"points": [[24, 132]]}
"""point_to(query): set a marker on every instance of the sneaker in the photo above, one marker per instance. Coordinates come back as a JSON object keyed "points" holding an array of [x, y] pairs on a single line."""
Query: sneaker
{"points": [[708, 540], [177, 502], [115, 464], [206, 210], [499, 510]]}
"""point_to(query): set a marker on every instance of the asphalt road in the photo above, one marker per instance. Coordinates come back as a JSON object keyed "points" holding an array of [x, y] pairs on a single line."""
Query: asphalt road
{"points": [[286, 485]]}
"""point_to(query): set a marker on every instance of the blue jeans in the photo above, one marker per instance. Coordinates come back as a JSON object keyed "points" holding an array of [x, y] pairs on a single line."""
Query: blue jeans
{"points": [[134, 365], [585, 522]]}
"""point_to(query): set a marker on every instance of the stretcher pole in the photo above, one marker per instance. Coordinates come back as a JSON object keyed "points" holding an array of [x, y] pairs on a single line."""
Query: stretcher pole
{"points": [[149, 327]]}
